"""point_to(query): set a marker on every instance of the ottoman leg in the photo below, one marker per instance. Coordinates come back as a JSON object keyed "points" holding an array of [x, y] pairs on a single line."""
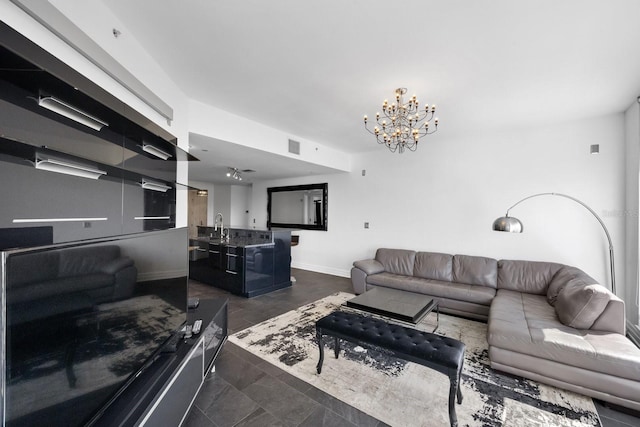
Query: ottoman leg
{"points": [[453, 390], [336, 347], [321, 347], [460, 383]]}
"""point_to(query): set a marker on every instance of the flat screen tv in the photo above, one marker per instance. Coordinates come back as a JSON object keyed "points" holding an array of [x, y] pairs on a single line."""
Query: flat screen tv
{"points": [[82, 320]]}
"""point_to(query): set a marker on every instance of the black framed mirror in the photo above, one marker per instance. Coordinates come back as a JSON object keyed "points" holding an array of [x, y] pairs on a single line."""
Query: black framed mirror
{"points": [[298, 206]]}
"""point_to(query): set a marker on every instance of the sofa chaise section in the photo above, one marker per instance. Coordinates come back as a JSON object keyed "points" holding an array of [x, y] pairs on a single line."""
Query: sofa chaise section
{"points": [[527, 339]]}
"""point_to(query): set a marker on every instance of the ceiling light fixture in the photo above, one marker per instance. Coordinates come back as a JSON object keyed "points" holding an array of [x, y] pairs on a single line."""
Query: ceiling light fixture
{"points": [[54, 165], [235, 174], [155, 186], [71, 112], [148, 148], [403, 124]]}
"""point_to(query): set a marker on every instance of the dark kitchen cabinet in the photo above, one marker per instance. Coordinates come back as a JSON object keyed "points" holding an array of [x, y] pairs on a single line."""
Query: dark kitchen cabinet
{"points": [[250, 264]]}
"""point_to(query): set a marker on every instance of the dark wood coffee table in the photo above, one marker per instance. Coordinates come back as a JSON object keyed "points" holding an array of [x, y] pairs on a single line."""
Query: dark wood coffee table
{"points": [[405, 306]]}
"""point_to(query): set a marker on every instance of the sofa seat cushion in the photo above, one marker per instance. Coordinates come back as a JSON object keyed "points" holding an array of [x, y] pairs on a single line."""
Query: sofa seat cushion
{"points": [[436, 288], [527, 324], [65, 285]]}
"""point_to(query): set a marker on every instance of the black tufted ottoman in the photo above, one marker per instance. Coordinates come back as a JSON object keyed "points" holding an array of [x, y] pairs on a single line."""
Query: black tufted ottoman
{"points": [[443, 354]]}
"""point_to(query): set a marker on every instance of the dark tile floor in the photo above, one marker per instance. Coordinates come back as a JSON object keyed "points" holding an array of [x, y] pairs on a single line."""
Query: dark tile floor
{"points": [[244, 390]]}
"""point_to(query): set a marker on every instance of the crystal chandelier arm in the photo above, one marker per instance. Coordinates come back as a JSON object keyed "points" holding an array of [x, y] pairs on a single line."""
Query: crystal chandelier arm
{"points": [[401, 124]]}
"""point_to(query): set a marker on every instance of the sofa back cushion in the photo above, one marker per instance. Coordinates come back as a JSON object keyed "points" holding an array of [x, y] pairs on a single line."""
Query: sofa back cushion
{"points": [[526, 276], [434, 265], [396, 261], [562, 277], [24, 269], [86, 260], [579, 304], [475, 270]]}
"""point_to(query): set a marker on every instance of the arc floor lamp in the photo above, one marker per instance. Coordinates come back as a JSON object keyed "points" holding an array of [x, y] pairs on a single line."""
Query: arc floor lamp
{"points": [[513, 225]]}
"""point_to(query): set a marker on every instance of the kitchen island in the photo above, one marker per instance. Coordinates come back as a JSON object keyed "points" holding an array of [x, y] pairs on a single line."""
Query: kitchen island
{"points": [[247, 262]]}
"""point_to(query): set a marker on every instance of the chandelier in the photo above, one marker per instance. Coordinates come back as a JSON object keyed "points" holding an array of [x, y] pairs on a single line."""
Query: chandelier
{"points": [[403, 124]]}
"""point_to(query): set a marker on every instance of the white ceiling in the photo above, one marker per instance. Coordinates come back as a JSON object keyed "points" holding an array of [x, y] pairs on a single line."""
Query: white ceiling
{"points": [[313, 69], [217, 156]]}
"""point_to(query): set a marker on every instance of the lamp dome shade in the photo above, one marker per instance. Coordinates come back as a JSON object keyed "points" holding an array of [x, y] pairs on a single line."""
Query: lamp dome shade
{"points": [[508, 224]]}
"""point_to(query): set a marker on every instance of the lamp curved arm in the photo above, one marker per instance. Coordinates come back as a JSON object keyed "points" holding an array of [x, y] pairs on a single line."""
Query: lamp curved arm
{"points": [[604, 227]]}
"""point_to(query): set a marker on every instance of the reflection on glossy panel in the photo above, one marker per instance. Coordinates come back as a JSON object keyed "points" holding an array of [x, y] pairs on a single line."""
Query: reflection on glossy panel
{"points": [[83, 319]]}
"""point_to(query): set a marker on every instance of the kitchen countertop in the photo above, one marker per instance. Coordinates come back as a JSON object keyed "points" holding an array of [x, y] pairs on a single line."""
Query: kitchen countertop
{"points": [[236, 241]]}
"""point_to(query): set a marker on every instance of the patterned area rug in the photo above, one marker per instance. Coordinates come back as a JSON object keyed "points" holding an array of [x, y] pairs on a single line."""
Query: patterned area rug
{"points": [[407, 394]]}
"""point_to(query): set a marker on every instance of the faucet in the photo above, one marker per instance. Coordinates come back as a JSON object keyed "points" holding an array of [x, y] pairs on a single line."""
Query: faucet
{"points": [[215, 225]]}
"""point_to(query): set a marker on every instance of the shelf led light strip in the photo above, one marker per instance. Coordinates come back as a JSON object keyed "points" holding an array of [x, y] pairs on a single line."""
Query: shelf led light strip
{"points": [[148, 148], [148, 185], [32, 220], [151, 217], [53, 165], [71, 112]]}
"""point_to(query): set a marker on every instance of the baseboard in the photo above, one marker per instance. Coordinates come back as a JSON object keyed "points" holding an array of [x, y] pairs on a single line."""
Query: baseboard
{"points": [[322, 269], [160, 275], [633, 332]]}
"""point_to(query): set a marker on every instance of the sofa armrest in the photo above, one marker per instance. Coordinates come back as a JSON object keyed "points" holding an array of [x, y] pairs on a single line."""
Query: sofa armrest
{"points": [[125, 282], [613, 318], [360, 271], [358, 280], [115, 265], [369, 266]]}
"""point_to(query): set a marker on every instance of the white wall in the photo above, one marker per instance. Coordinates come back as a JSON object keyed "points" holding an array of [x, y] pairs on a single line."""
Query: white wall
{"points": [[632, 212], [210, 187], [233, 201], [445, 196], [222, 202], [240, 206]]}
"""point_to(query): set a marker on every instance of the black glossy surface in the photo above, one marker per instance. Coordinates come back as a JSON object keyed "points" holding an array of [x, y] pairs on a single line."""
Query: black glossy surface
{"points": [[29, 132], [83, 319], [243, 266], [393, 303], [133, 404]]}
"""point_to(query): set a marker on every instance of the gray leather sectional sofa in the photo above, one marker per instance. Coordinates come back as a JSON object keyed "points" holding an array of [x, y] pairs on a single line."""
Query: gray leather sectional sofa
{"points": [[546, 321]]}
